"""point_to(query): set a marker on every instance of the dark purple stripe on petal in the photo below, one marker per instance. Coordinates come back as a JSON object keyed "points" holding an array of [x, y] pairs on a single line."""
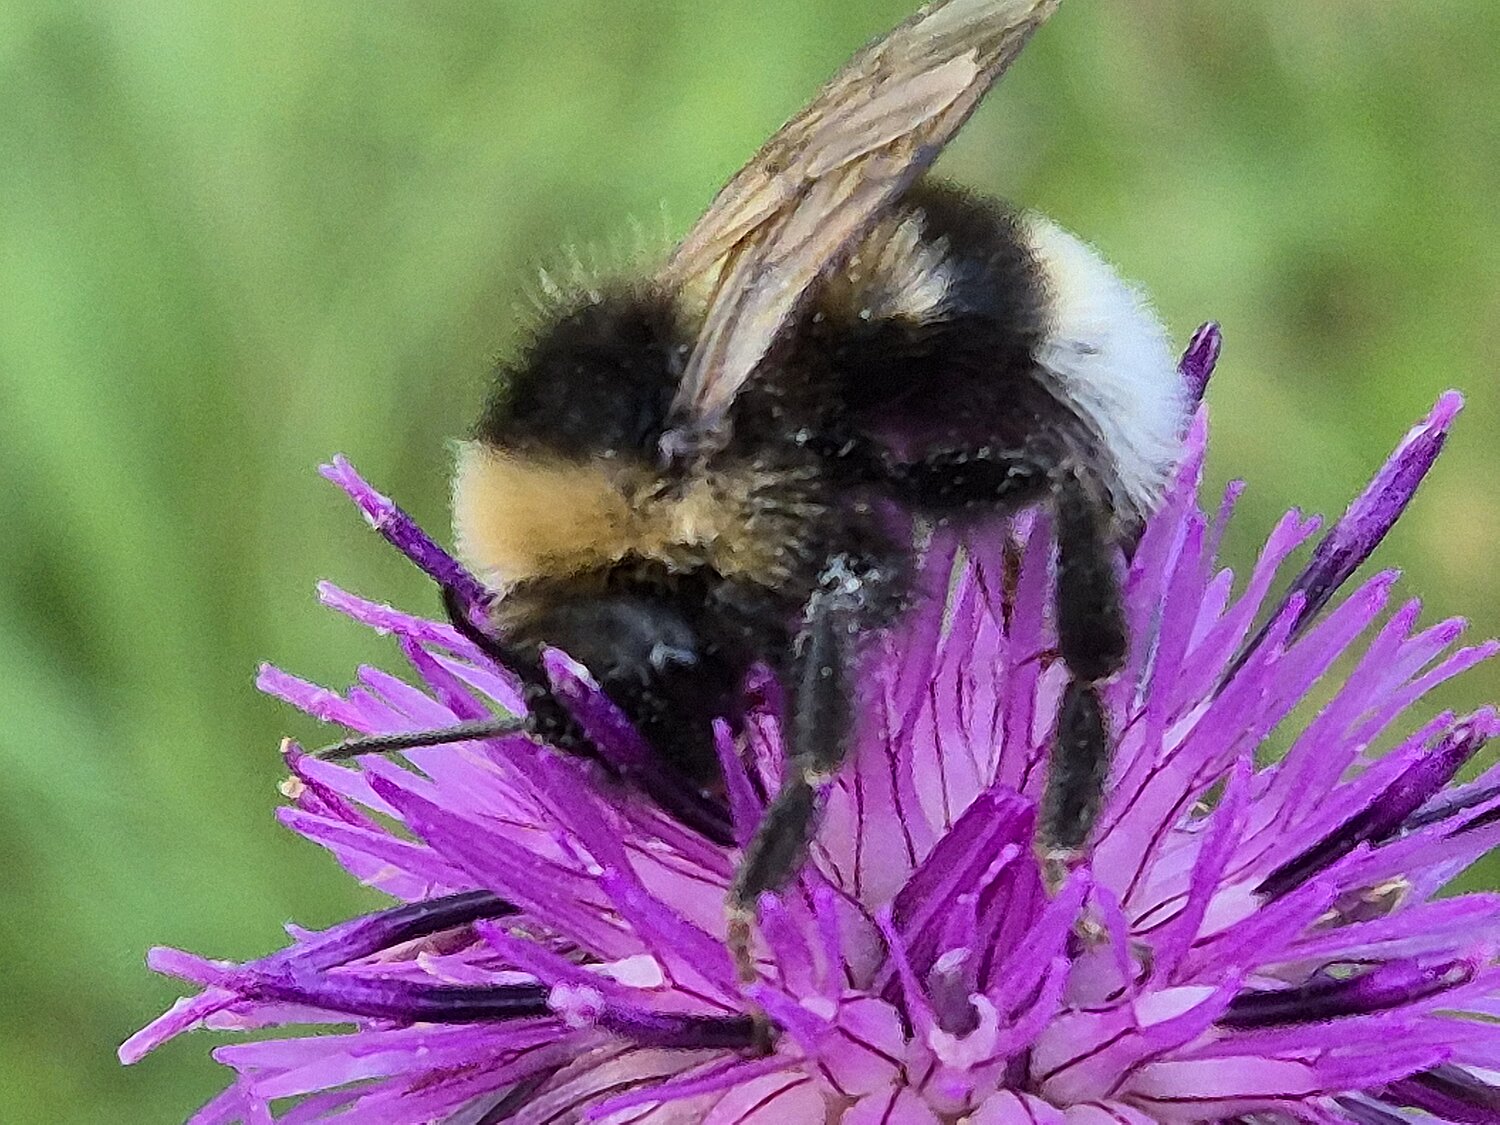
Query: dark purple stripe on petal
{"points": [[298, 975], [1368, 1113], [291, 975], [1446, 808], [363, 937], [1388, 812], [1327, 998], [402, 532], [1200, 359], [716, 1078], [969, 860], [1483, 820], [1449, 1093], [1426, 778], [654, 1029], [401, 1000]]}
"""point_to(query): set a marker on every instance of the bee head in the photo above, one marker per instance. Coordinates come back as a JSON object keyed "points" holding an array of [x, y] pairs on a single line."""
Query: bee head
{"points": [[654, 663]]}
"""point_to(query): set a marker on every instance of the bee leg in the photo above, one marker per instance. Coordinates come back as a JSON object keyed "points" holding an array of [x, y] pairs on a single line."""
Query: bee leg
{"points": [[985, 477], [817, 742], [1092, 638], [1090, 619]]}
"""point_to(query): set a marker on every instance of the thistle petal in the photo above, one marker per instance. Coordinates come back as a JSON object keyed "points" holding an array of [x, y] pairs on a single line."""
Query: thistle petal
{"points": [[1238, 939]]}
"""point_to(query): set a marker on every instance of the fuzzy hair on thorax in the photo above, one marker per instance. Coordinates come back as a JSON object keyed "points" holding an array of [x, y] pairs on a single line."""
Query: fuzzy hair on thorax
{"points": [[523, 517]]}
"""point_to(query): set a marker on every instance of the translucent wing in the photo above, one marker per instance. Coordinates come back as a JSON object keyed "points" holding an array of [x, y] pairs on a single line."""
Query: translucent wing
{"points": [[821, 183]]}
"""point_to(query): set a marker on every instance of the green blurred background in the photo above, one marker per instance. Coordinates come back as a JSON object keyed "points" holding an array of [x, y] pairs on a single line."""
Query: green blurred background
{"points": [[235, 239]]}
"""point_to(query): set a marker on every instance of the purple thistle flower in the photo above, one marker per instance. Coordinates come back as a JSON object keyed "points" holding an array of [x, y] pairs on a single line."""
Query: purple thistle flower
{"points": [[1249, 939]]}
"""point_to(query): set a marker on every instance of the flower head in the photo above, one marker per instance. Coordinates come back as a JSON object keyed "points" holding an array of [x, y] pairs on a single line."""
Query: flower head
{"points": [[1250, 937]]}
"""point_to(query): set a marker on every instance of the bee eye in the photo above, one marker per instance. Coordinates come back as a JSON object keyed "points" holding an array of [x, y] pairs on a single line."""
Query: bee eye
{"points": [[622, 638]]}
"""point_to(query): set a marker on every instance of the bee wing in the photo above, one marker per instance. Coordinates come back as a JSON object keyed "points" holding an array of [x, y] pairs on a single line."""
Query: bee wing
{"points": [[821, 183]]}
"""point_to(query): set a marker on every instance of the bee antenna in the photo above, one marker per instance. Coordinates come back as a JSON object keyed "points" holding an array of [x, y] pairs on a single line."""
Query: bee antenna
{"points": [[389, 743]]}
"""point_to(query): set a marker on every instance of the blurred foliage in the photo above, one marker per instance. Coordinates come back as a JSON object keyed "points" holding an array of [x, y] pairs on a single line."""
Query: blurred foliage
{"points": [[235, 239]]}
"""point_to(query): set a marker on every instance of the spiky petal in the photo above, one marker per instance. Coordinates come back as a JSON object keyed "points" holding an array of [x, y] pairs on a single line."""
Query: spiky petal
{"points": [[1248, 939]]}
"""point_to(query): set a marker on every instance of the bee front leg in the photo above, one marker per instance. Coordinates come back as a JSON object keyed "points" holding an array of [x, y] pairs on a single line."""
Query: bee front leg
{"points": [[818, 739]]}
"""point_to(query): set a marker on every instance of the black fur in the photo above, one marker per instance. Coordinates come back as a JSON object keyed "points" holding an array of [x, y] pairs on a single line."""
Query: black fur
{"points": [[598, 379], [967, 379], [947, 417], [820, 722], [994, 315], [1077, 768]]}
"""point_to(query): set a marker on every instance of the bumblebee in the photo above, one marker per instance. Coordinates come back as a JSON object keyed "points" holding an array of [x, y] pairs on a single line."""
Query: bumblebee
{"points": [[722, 464]]}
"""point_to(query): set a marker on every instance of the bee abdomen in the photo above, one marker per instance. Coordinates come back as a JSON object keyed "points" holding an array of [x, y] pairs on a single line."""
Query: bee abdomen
{"points": [[960, 324], [1112, 363]]}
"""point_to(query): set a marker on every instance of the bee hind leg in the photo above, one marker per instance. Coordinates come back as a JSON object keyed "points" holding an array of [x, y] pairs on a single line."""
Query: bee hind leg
{"points": [[1090, 618], [1092, 637]]}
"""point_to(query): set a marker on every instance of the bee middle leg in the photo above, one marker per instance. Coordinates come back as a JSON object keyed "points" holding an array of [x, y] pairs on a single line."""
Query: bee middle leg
{"points": [[818, 739], [1090, 617]]}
